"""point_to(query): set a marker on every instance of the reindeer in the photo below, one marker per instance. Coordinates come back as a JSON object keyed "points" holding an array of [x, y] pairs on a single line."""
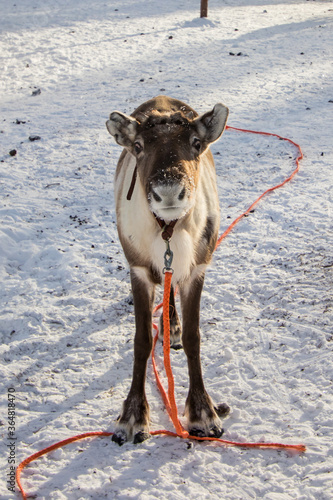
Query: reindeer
{"points": [[165, 185]]}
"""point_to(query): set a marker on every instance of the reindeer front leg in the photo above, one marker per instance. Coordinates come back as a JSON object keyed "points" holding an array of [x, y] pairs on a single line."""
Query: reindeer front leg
{"points": [[134, 419], [202, 416]]}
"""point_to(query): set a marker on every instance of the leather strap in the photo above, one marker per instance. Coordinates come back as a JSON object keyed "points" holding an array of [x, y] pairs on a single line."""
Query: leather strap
{"points": [[131, 188], [167, 229]]}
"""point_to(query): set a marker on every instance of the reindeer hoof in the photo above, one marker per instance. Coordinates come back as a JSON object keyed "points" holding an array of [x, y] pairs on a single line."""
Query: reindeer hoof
{"points": [[119, 437], [195, 431], [222, 409], [140, 436], [176, 346], [214, 432]]}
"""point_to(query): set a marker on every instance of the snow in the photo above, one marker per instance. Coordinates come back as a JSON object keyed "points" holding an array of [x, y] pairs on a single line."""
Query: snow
{"points": [[67, 318]]}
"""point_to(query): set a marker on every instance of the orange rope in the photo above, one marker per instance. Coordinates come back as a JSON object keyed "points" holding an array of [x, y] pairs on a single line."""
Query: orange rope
{"points": [[169, 399], [53, 447], [166, 350], [288, 179], [299, 448]]}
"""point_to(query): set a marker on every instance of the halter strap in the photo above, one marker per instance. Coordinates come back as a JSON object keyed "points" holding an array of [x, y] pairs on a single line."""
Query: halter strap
{"points": [[167, 229], [131, 188]]}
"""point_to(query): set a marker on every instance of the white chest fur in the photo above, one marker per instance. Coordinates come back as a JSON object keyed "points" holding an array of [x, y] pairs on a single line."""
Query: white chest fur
{"points": [[142, 233]]}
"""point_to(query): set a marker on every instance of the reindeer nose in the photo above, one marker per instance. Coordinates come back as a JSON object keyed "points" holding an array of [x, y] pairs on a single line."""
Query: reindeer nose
{"points": [[156, 196], [169, 195], [181, 196]]}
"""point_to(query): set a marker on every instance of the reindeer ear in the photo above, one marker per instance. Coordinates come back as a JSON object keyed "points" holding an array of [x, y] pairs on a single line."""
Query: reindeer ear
{"points": [[123, 128], [211, 125]]}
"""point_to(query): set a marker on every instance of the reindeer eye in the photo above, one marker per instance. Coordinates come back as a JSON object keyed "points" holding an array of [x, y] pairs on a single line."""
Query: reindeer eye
{"points": [[138, 147], [196, 144]]}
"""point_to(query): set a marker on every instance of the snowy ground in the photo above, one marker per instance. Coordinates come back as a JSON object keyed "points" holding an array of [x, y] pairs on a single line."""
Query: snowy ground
{"points": [[66, 314]]}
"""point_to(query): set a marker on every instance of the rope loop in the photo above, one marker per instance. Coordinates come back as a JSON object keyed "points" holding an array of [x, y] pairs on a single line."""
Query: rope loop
{"points": [[169, 398]]}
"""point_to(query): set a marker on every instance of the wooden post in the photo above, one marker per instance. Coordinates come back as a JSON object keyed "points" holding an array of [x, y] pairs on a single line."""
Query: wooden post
{"points": [[204, 8]]}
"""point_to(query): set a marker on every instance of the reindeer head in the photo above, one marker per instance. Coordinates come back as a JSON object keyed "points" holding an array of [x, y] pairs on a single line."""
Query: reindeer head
{"points": [[168, 149]]}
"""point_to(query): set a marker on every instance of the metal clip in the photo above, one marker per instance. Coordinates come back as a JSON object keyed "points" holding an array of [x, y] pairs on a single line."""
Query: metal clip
{"points": [[168, 258]]}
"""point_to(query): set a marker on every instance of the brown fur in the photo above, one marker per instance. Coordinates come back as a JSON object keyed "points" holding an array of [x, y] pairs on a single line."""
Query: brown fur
{"points": [[161, 139]]}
